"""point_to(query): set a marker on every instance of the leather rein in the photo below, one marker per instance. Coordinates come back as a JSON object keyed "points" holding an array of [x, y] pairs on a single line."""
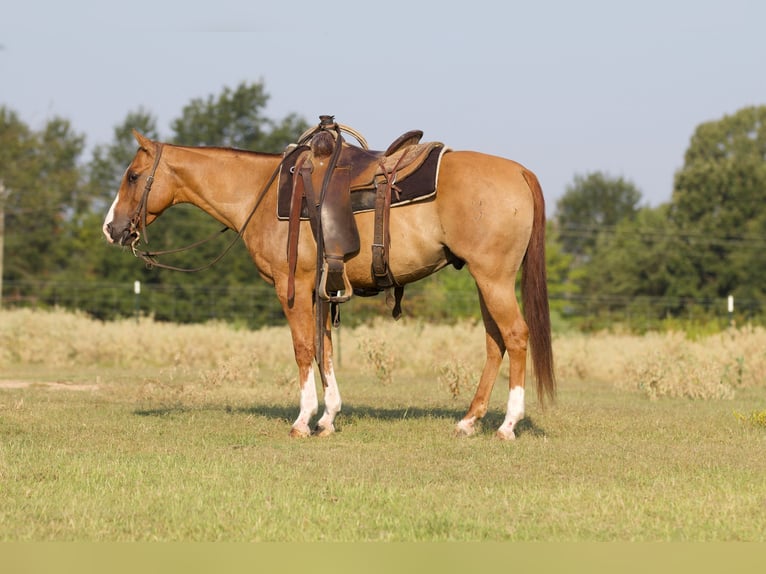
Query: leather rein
{"points": [[138, 223]]}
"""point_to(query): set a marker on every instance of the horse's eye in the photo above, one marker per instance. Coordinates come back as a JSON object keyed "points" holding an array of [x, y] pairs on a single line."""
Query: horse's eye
{"points": [[132, 177]]}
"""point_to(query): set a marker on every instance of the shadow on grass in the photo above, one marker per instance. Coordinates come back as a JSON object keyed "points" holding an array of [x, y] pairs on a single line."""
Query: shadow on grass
{"points": [[287, 413], [525, 426]]}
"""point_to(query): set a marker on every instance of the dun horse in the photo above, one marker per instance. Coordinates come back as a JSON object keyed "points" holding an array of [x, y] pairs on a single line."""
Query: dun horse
{"points": [[487, 213]]}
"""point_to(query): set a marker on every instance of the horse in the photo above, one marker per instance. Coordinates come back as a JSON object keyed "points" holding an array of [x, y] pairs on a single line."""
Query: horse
{"points": [[488, 213]]}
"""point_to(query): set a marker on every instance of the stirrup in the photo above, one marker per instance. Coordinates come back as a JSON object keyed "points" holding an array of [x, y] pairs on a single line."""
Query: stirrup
{"points": [[336, 280]]}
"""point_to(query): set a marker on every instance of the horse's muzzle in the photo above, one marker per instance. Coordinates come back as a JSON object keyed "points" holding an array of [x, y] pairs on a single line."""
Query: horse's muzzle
{"points": [[124, 237]]}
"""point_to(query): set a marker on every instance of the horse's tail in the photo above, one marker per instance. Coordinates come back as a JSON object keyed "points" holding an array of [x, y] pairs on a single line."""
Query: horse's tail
{"points": [[534, 295]]}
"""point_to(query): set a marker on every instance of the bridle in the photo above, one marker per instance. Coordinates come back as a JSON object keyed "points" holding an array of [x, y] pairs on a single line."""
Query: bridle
{"points": [[138, 220]]}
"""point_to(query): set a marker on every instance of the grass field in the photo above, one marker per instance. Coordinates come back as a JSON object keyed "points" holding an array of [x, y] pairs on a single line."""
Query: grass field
{"points": [[133, 431]]}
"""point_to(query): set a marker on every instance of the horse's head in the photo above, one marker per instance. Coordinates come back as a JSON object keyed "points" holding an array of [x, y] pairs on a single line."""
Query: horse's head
{"points": [[135, 207]]}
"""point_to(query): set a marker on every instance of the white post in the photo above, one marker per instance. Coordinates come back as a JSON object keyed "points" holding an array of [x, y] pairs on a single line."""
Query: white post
{"points": [[137, 291], [730, 307]]}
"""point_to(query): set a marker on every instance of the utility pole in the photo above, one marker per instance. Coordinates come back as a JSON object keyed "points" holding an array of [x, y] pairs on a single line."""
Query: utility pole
{"points": [[3, 196]]}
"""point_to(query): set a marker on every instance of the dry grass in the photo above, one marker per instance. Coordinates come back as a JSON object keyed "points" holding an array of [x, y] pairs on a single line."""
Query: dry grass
{"points": [[657, 364], [667, 364], [64, 339]]}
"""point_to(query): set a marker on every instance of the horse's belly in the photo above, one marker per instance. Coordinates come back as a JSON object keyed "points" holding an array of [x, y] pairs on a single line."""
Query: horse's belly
{"points": [[416, 250]]}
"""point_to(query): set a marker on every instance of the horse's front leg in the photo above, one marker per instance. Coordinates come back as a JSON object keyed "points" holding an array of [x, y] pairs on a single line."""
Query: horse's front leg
{"points": [[300, 319], [302, 322], [309, 404]]}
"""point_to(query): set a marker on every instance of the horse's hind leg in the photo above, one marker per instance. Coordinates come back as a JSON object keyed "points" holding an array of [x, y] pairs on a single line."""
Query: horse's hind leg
{"points": [[332, 401], [495, 352], [506, 330]]}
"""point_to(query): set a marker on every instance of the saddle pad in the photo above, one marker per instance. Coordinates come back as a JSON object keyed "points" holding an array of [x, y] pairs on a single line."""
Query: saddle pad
{"points": [[418, 185]]}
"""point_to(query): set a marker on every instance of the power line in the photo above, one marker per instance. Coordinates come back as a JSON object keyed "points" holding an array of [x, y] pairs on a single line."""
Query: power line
{"points": [[594, 231]]}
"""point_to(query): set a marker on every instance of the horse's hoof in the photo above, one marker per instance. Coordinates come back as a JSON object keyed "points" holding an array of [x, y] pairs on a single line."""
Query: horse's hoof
{"points": [[465, 428], [297, 432], [324, 431], [505, 434]]}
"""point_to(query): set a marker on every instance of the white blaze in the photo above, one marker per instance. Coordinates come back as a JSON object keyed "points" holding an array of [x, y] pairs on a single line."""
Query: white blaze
{"points": [[108, 219]]}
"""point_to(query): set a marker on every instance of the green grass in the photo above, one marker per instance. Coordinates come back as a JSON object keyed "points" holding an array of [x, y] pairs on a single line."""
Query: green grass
{"points": [[195, 447], [602, 465]]}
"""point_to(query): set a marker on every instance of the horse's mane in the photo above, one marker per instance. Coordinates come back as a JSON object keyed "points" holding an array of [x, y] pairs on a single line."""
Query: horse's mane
{"points": [[224, 149]]}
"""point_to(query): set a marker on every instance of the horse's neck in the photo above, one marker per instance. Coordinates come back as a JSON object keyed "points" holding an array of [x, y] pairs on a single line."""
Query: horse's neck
{"points": [[224, 183]]}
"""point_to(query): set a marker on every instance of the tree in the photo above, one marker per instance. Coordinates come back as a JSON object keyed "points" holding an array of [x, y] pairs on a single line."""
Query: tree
{"points": [[236, 119], [639, 265], [707, 243], [718, 194], [748, 266], [559, 267], [592, 203], [16, 145], [42, 173]]}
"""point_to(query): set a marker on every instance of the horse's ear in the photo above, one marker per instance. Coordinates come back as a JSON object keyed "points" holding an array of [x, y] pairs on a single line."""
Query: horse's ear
{"points": [[142, 140]]}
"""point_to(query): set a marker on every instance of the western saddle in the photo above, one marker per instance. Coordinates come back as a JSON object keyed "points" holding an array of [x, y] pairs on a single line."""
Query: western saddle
{"points": [[326, 180]]}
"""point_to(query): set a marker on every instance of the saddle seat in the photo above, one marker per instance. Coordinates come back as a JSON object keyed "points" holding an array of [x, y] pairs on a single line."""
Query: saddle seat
{"points": [[403, 157]]}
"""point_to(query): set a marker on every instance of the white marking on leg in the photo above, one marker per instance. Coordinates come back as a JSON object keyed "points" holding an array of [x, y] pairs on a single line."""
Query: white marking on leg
{"points": [[466, 427], [513, 414], [309, 405], [108, 219], [332, 402]]}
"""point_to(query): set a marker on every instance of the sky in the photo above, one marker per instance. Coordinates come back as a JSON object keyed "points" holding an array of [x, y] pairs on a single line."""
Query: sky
{"points": [[565, 87]]}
